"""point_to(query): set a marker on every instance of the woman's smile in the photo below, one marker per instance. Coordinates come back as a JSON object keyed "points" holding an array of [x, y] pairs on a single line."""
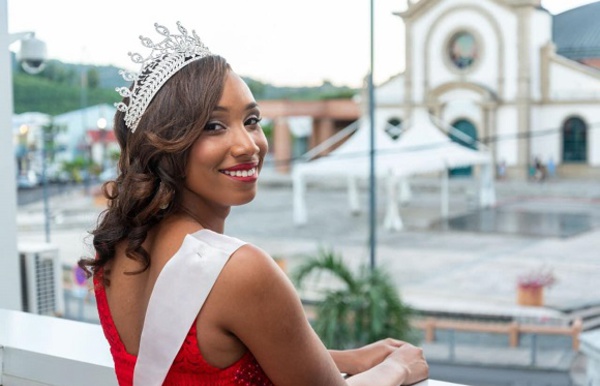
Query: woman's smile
{"points": [[247, 172]]}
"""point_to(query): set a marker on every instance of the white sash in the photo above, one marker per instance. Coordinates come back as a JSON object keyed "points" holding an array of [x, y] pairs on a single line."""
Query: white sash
{"points": [[178, 295]]}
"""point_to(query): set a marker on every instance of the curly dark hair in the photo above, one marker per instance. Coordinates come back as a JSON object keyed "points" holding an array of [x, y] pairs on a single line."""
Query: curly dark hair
{"points": [[153, 161]]}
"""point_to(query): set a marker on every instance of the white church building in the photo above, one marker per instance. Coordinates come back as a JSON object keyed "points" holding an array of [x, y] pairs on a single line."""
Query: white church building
{"points": [[507, 73]]}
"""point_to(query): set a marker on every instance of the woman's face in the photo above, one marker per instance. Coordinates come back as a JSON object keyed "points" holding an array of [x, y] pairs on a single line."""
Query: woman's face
{"points": [[225, 161]]}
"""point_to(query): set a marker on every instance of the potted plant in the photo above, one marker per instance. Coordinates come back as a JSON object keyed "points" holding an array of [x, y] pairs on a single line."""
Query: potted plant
{"points": [[363, 308], [281, 262], [530, 286]]}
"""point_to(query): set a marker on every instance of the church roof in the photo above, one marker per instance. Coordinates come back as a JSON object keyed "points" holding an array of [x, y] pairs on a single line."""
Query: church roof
{"points": [[576, 32]]}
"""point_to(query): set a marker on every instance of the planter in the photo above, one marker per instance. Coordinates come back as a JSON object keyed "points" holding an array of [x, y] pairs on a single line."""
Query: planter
{"points": [[530, 296]]}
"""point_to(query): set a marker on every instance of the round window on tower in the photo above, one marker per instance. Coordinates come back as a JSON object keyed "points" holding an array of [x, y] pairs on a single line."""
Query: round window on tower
{"points": [[462, 50]]}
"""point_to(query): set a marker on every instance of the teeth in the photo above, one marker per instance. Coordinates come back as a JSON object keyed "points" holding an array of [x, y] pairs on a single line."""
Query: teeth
{"points": [[240, 173]]}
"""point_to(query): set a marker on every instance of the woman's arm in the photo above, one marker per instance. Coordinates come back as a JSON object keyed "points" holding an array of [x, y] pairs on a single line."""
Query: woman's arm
{"points": [[264, 312], [361, 359]]}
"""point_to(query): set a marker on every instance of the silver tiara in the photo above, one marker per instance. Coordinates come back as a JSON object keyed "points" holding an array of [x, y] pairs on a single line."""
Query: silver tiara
{"points": [[167, 57]]}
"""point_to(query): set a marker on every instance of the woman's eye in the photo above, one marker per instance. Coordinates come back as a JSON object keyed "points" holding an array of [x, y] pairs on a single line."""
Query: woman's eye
{"points": [[253, 121], [213, 126]]}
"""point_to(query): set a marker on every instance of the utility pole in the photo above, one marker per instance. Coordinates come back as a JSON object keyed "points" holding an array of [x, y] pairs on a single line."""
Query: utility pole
{"points": [[372, 175]]}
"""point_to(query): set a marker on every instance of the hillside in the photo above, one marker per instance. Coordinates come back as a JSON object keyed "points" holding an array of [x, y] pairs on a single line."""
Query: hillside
{"points": [[58, 89]]}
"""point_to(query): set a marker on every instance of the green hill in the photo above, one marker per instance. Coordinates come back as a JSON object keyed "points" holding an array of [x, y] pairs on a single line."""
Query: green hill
{"points": [[57, 89]]}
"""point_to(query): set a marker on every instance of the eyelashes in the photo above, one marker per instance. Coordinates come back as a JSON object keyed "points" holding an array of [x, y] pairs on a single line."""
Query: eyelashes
{"points": [[213, 126]]}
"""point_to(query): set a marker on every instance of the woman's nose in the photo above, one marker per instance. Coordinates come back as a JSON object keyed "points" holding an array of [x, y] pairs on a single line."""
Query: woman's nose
{"points": [[244, 143]]}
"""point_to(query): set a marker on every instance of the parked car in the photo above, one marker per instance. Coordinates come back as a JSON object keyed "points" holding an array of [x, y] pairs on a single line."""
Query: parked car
{"points": [[56, 174], [28, 180]]}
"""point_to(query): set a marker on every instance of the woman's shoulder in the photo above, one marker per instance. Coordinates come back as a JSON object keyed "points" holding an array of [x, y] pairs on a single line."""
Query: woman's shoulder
{"points": [[252, 272], [168, 237]]}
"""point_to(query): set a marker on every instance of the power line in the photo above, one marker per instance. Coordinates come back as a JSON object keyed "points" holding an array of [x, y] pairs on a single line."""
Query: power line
{"points": [[484, 140]]}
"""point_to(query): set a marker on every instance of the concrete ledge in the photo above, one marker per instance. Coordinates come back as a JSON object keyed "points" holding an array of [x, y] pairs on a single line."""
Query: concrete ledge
{"points": [[47, 351], [40, 350]]}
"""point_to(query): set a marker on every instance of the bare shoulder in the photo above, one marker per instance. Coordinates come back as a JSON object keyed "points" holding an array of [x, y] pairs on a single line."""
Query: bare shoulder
{"points": [[250, 257], [251, 270]]}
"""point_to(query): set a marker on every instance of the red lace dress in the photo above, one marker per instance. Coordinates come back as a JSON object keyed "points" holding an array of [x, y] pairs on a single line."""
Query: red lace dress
{"points": [[189, 367]]}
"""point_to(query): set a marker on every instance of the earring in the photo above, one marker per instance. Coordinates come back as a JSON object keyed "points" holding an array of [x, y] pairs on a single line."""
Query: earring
{"points": [[164, 206]]}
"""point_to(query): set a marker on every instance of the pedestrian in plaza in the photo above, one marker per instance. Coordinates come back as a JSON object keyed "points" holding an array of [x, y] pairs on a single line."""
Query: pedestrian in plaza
{"points": [[540, 170], [181, 303]]}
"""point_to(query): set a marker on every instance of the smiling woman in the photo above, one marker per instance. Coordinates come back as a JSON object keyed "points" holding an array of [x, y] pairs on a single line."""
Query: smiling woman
{"points": [[180, 302]]}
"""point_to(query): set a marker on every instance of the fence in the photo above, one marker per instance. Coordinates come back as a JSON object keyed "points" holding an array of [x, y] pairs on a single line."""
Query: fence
{"points": [[513, 330]]}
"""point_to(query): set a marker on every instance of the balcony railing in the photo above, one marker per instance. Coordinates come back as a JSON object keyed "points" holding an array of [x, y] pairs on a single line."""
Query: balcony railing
{"points": [[40, 350]]}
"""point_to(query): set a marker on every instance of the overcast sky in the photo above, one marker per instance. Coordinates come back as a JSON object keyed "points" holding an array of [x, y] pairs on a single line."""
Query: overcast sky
{"points": [[276, 41]]}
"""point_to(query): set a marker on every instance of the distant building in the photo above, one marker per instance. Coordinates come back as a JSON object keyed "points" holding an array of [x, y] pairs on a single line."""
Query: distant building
{"points": [[506, 73], [300, 126], [86, 133], [27, 129], [74, 140]]}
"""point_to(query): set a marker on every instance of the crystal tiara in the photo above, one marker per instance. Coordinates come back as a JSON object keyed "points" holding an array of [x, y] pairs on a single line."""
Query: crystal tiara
{"points": [[167, 57]]}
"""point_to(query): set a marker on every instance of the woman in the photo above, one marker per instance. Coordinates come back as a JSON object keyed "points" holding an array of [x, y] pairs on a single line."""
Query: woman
{"points": [[181, 303]]}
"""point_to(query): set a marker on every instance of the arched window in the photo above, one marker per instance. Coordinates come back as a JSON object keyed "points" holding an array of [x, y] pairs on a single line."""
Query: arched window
{"points": [[464, 133], [393, 127], [574, 138]]}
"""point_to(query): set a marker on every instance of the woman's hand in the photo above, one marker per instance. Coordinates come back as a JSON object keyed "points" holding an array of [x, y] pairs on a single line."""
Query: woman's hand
{"points": [[404, 365], [411, 358], [359, 360]]}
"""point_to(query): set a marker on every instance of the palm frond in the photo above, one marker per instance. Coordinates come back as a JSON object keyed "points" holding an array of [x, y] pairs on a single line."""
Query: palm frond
{"points": [[366, 308], [326, 260]]}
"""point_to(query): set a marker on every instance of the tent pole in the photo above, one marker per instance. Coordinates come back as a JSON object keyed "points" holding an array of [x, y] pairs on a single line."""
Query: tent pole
{"points": [[445, 193], [372, 179]]}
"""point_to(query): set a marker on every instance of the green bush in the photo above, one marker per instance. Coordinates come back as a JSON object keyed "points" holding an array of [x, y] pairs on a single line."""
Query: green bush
{"points": [[365, 308]]}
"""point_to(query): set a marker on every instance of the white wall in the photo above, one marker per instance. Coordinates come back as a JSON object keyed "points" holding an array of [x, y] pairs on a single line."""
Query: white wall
{"points": [[10, 282], [567, 83]]}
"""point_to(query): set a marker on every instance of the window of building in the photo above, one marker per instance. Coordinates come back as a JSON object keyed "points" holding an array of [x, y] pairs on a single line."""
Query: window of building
{"points": [[574, 137], [393, 128], [464, 133], [462, 50]]}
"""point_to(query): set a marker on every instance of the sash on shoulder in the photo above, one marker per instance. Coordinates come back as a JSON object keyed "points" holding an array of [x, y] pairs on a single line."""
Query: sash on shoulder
{"points": [[177, 297]]}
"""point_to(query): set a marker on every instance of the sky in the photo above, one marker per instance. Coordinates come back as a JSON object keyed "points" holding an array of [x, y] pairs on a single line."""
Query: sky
{"points": [[299, 43]]}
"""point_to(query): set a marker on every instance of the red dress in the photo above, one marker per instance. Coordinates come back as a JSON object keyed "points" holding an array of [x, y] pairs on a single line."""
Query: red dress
{"points": [[189, 367]]}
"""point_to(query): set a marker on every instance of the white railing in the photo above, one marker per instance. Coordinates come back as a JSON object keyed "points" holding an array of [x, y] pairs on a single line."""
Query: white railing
{"points": [[38, 350]]}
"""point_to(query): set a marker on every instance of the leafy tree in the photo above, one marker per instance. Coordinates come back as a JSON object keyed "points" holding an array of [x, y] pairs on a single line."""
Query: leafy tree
{"points": [[57, 89], [80, 168], [257, 87], [365, 308], [34, 93]]}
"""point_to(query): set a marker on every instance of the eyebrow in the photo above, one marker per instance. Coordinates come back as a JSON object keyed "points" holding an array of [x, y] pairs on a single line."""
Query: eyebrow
{"points": [[249, 106]]}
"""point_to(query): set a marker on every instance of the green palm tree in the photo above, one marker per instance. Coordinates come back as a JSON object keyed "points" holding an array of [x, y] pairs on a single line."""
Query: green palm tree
{"points": [[366, 306]]}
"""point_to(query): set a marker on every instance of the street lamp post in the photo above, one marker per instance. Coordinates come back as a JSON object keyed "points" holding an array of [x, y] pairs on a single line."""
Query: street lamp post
{"points": [[32, 59], [101, 124], [46, 137]]}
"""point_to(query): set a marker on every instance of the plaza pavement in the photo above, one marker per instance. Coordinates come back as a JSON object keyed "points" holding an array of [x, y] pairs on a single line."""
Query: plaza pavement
{"points": [[437, 267], [434, 267]]}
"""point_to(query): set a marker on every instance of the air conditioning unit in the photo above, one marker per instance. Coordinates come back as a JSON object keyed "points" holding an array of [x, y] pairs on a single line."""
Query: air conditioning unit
{"points": [[41, 273]]}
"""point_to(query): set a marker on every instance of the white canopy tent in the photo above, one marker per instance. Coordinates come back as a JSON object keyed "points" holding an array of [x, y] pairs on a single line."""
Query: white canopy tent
{"points": [[422, 148]]}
